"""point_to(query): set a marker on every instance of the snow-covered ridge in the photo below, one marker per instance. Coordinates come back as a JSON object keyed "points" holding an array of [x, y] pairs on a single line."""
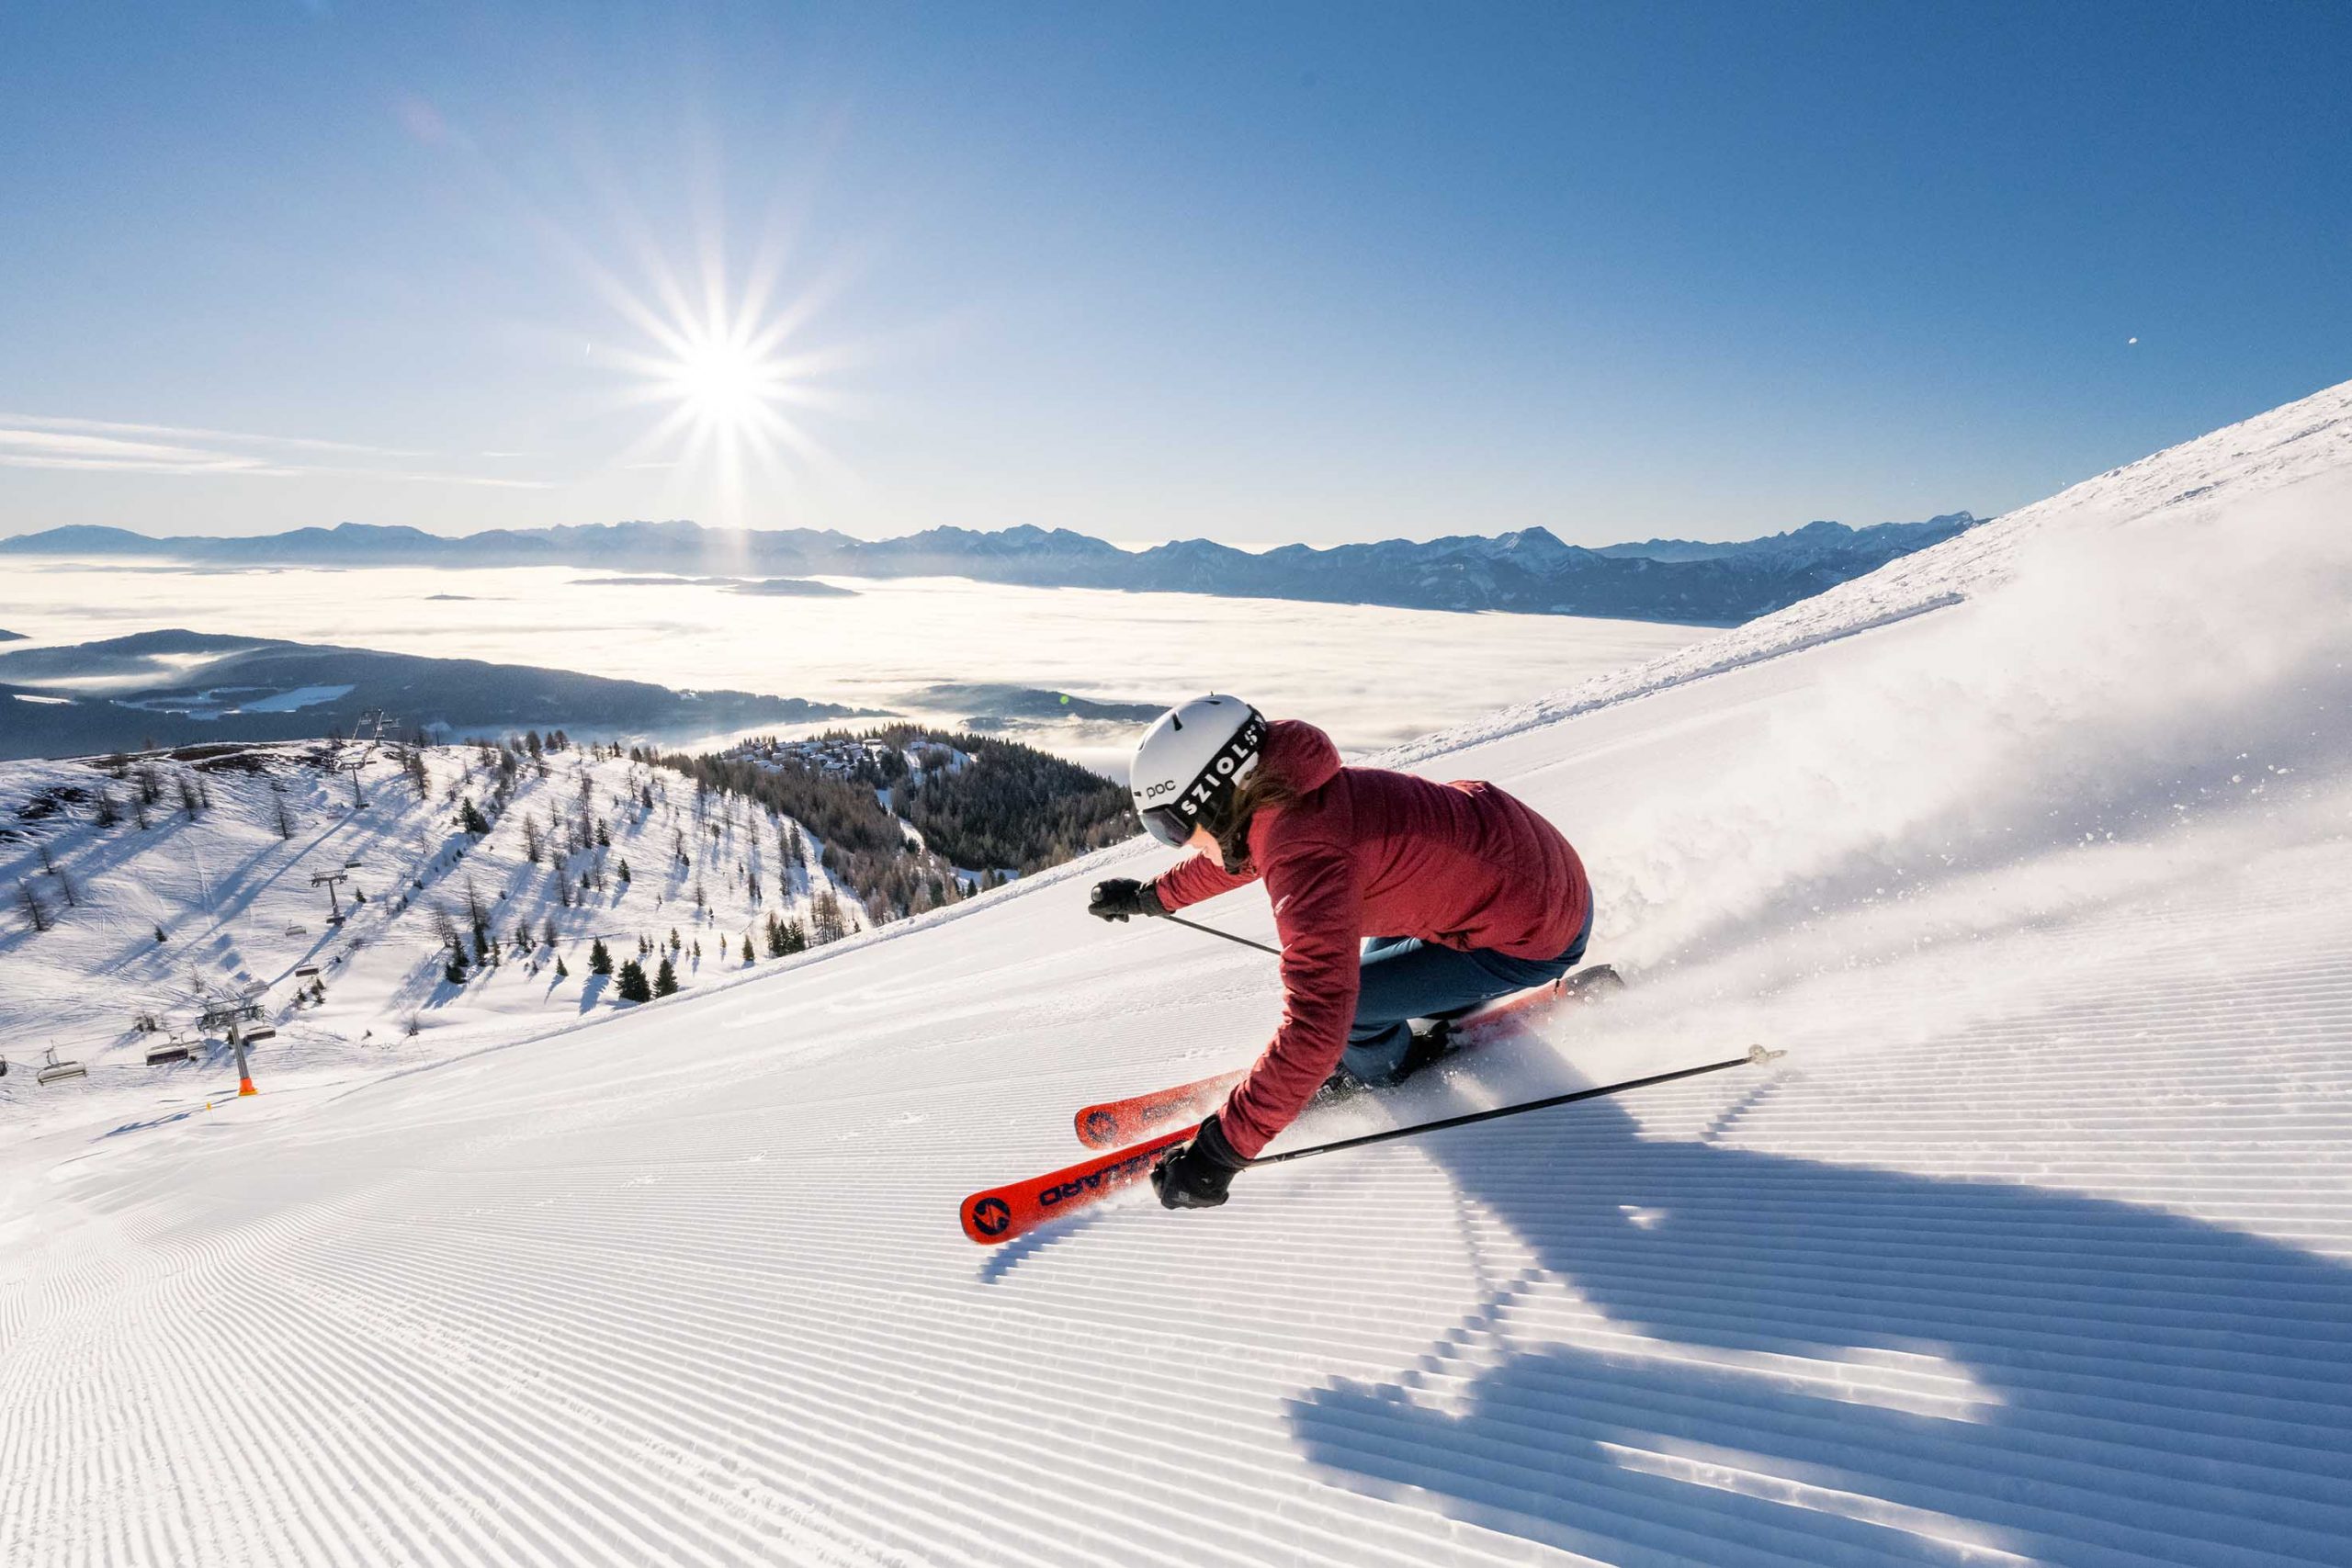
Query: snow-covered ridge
{"points": [[2295, 441], [2037, 1248]]}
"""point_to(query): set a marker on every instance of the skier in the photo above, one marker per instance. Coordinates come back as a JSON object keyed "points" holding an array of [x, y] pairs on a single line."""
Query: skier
{"points": [[1396, 898]]}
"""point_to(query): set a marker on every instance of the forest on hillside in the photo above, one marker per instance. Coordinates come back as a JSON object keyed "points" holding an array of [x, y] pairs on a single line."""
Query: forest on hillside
{"points": [[981, 809], [1012, 807]]}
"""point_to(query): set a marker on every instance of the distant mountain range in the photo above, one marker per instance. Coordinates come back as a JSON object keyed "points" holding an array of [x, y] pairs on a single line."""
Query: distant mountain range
{"points": [[1526, 569], [173, 687]]}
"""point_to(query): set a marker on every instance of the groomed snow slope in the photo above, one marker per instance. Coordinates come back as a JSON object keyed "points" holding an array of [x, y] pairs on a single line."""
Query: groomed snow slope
{"points": [[2037, 1246]]}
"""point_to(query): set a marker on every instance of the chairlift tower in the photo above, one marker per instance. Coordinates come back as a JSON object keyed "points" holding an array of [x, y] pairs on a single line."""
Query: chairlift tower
{"points": [[368, 734], [241, 1007], [328, 880]]}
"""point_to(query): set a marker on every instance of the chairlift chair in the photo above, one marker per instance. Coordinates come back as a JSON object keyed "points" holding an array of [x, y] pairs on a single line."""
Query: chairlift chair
{"points": [[56, 1071], [304, 971], [259, 1035], [177, 1051]]}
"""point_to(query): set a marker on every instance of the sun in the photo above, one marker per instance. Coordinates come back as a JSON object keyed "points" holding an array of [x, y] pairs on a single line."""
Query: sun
{"points": [[735, 386], [724, 384]]}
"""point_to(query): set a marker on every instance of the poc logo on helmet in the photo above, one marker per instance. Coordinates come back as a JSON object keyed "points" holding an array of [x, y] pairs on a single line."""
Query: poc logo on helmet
{"points": [[1198, 753]]}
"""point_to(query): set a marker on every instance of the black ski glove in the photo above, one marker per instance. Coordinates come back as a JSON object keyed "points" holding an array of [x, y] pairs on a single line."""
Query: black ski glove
{"points": [[1122, 896], [1196, 1175]]}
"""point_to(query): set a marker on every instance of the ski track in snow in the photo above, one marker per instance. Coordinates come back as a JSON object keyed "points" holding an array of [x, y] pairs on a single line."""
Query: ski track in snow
{"points": [[2037, 1248]]}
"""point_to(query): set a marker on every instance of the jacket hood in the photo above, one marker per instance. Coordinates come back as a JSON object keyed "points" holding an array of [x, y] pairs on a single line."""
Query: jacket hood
{"points": [[1299, 754]]}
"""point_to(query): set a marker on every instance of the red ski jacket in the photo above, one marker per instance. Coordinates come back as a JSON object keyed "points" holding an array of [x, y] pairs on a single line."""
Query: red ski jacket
{"points": [[1363, 853]]}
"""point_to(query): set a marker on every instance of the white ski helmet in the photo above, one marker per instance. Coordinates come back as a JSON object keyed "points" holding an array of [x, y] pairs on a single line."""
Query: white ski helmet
{"points": [[1190, 760]]}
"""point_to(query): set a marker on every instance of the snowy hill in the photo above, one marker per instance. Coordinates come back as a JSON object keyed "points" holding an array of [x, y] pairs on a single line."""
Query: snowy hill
{"points": [[209, 891], [2037, 1248]]}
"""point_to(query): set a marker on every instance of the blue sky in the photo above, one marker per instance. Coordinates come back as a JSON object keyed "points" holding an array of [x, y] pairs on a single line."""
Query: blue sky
{"points": [[1260, 274]]}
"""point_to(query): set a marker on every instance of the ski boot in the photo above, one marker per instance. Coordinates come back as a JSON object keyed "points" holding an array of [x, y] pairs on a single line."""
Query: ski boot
{"points": [[1593, 983], [1430, 1046]]}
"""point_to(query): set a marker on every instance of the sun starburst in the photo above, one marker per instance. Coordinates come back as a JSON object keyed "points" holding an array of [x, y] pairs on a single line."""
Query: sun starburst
{"points": [[725, 383], [736, 386]]}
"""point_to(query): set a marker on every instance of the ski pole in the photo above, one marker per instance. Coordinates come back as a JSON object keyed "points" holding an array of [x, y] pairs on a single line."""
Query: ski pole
{"points": [[1195, 925], [1757, 1055]]}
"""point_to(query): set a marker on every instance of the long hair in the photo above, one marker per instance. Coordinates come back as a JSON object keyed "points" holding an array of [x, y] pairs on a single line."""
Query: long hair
{"points": [[1261, 789]]}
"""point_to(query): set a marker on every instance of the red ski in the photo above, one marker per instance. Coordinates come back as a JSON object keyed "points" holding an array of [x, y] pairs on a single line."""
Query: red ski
{"points": [[1114, 1123], [1003, 1213]]}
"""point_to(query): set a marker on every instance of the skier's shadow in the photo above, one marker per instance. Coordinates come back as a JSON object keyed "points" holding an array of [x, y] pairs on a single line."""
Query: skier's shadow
{"points": [[2034, 1327]]}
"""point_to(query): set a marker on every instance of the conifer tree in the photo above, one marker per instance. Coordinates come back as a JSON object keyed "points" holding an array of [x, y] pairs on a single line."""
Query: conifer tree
{"points": [[631, 986], [477, 914], [600, 958], [665, 980], [831, 925]]}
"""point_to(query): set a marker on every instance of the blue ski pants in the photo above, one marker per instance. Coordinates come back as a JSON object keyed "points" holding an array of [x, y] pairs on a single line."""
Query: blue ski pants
{"points": [[1404, 978]]}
